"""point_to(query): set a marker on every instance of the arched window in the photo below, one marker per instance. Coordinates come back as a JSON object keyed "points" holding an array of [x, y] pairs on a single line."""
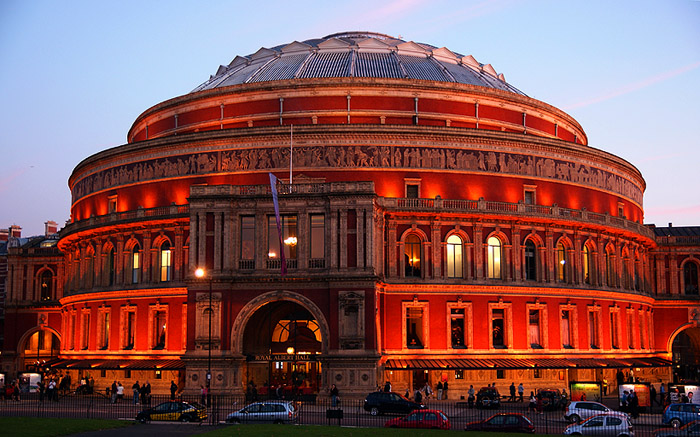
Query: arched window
{"points": [[46, 285], [625, 271], [412, 256], [587, 265], [135, 261], [637, 279], [493, 261], [562, 261], [454, 257], [690, 276], [610, 267], [166, 261], [111, 272], [530, 261], [90, 268]]}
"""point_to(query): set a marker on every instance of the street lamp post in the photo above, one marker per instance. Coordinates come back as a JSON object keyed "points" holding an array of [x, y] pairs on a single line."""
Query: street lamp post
{"points": [[200, 274]]}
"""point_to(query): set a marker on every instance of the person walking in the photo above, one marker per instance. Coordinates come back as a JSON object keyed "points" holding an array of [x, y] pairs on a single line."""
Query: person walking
{"points": [[662, 394], [334, 396], [652, 396], [444, 390], [418, 396], [113, 394], [136, 389], [512, 391], [470, 396], [173, 390], [120, 391], [533, 403], [521, 391], [439, 390]]}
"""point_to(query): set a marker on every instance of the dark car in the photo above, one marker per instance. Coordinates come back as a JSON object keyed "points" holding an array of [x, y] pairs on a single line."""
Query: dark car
{"points": [[504, 422], [488, 397], [380, 402], [176, 411], [421, 419], [677, 415], [691, 429], [552, 400]]}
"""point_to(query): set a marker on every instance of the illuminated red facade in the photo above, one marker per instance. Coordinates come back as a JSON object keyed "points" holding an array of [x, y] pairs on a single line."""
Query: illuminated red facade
{"points": [[439, 224]]}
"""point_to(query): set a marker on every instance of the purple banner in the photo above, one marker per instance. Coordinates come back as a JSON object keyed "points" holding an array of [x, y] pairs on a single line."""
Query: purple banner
{"points": [[273, 186]]}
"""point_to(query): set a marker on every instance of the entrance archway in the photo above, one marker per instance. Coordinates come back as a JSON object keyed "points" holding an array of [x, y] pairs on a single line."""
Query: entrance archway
{"points": [[38, 347], [282, 336], [686, 355]]}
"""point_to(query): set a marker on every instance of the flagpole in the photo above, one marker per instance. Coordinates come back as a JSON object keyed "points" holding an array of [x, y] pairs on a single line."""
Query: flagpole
{"points": [[291, 151]]}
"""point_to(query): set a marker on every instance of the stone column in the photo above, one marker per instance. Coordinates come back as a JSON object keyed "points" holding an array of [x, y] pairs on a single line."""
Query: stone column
{"points": [[361, 214], [343, 236], [218, 234], [479, 250], [436, 249], [517, 251], [549, 255]]}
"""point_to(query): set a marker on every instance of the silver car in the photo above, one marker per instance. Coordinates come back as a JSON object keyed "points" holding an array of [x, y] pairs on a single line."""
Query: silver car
{"points": [[602, 425], [265, 412], [580, 410]]}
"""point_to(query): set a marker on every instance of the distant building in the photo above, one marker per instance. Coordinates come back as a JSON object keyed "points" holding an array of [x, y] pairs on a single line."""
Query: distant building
{"points": [[439, 224]]}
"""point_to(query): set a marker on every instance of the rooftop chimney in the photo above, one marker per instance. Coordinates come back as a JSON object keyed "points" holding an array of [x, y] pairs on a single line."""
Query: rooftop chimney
{"points": [[670, 225], [50, 228], [16, 231], [4, 233]]}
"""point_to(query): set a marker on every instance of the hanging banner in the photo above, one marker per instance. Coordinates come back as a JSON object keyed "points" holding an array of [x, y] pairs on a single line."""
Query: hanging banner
{"points": [[273, 186]]}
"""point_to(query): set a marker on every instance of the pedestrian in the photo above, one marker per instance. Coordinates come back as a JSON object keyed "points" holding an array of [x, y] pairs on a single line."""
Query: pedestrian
{"points": [[408, 393], [113, 394], [15, 391], [652, 395], [387, 387], [148, 393], [173, 390], [620, 379], [662, 394], [51, 390], [605, 387], [538, 404], [418, 396], [428, 391], [633, 403], [512, 391], [42, 387], [439, 390], [203, 392], [521, 391], [470, 396], [136, 390], [444, 390], [120, 391], [533, 403], [334, 396]]}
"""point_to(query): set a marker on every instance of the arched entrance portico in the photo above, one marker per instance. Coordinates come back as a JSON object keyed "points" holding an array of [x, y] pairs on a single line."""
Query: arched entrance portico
{"points": [[282, 336], [37, 347], [686, 355]]}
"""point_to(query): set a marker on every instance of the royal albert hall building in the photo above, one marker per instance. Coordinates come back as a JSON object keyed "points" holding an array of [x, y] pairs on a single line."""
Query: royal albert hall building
{"points": [[436, 224]]}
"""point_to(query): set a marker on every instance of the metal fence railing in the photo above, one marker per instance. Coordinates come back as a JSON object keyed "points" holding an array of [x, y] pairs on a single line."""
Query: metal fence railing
{"points": [[311, 411]]}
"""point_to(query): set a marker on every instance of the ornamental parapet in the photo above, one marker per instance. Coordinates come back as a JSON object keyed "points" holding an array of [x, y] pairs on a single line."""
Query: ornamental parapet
{"points": [[514, 209], [137, 215]]}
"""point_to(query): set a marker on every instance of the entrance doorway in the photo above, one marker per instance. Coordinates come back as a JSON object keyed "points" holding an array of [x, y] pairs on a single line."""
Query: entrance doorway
{"points": [[686, 356], [282, 342]]}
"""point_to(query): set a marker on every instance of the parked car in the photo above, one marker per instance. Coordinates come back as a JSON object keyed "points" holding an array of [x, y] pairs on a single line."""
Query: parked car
{"points": [[265, 412], [603, 425], [677, 415], [580, 410], [488, 397], [177, 411], [380, 402], [421, 419], [691, 429], [552, 399], [504, 422]]}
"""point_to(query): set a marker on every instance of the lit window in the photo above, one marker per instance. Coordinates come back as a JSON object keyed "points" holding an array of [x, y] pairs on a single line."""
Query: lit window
{"points": [[288, 224], [610, 267], [135, 264], [85, 330], [46, 284], [412, 256], [493, 263], [103, 329], [561, 262], [112, 204], [690, 278], [530, 261], [454, 257], [129, 333], [414, 328], [593, 329], [630, 329], [111, 266], [457, 328], [166, 261], [614, 329], [587, 265]]}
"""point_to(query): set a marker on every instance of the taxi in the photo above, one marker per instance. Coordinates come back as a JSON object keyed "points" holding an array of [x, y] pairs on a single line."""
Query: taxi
{"points": [[174, 411]]}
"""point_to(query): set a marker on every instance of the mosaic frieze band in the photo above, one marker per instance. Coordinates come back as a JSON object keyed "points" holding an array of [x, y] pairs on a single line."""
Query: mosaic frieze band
{"points": [[323, 157]]}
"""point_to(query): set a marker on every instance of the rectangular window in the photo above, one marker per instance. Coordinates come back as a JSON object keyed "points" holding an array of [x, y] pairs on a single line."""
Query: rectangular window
{"points": [[85, 338], [615, 329], [534, 330], [159, 329], [318, 240], [129, 329], [642, 331], [127, 374], [630, 329], [40, 341], [457, 328], [459, 374], [536, 373], [248, 242], [165, 264], [498, 328], [593, 333], [135, 266], [529, 197], [412, 191], [414, 328], [500, 374], [111, 204], [74, 330], [288, 224], [566, 331], [103, 329]]}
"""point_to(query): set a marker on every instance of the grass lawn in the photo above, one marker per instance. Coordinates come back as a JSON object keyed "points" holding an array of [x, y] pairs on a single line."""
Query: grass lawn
{"points": [[335, 431], [46, 427]]}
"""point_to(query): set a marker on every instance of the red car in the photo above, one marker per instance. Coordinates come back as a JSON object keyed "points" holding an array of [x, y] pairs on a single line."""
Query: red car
{"points": [[423, 419], [504, 422]]}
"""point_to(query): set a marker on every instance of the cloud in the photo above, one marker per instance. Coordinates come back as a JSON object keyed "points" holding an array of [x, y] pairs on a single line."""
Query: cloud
{"points": [[635, 86]]}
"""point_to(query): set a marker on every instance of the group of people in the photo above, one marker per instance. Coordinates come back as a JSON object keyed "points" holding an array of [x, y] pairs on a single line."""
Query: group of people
{"points": [[11, 391], [140, 393]]}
